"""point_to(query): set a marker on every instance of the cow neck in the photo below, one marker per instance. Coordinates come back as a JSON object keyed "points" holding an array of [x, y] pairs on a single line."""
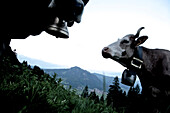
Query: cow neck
{"points": [[136, 62]]}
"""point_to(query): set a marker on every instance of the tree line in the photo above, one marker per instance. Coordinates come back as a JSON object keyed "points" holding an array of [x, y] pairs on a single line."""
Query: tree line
{"points": [[116, 98], [26, 89]]}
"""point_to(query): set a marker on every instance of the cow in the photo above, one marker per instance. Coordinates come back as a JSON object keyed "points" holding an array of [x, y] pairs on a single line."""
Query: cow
{"points": [[151, 65], [22, 18]]}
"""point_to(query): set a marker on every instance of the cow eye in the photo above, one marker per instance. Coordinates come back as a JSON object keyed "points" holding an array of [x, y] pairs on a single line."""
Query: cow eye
{"points": [[124, 42]]}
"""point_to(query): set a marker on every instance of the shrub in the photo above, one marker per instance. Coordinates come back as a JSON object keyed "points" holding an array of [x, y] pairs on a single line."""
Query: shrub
{"points": [[29, 90]]}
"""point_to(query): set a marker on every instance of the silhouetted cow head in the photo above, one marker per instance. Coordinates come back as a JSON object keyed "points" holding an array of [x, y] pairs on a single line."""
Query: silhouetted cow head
{"points": [[22, 18], [30, 17]]}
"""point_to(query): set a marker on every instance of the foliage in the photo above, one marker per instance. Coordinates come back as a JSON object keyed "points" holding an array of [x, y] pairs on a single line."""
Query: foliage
{"points": [[102, 98], [29, 90], [134, 101], [85, 92], [116, 97], [130, 103], [133, 91], [94, 97]]}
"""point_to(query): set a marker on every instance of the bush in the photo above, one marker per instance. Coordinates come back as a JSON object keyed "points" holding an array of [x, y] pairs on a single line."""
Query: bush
{"points": [[29, 90]]}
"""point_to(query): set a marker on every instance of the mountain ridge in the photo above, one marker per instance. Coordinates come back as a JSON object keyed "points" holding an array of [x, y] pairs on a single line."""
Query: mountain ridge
{"points": [[69, 75], [78, 78]]}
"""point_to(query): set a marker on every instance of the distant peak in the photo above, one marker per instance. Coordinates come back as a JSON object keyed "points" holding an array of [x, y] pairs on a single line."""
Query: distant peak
{"points": [[75, 67]]}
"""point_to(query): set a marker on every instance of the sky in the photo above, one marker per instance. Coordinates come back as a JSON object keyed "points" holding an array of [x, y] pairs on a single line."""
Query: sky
{"points": [[103, 22]]}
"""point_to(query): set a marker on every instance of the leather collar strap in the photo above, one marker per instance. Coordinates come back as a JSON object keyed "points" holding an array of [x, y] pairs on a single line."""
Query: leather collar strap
{"points": [[137, 60]]}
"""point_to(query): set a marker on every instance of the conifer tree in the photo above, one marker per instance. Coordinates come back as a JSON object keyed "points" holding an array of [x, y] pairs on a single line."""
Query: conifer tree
{"points": [[85, 93], [134, 99], [114, 94], [94, 97], [102, 98], [134, 91]]}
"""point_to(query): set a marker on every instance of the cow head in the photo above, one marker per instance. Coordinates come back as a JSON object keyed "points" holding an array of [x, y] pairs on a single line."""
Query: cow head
{"points": [[30, 17], [124, 48], [69, 10], [34, 16]]}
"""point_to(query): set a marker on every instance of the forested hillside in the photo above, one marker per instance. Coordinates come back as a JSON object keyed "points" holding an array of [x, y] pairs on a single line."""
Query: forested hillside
{"points": [[77, 77], [26, 89], [29, 90]]}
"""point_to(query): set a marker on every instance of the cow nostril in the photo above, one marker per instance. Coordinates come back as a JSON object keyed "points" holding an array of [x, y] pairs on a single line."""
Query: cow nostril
{"points": [[106, 53], [105, 49]]}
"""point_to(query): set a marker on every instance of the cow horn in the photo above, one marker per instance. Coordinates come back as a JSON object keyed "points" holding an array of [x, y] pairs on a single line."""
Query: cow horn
{"points": [[138, 32]]}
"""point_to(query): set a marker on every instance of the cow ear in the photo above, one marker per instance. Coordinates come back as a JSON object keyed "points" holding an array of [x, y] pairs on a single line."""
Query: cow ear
{"points": [[140, 40]]}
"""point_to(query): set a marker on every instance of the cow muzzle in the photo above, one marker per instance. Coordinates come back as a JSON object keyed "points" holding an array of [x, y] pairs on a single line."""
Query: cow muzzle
{"points": [[128, 77], [105, 52], [58, 28]]}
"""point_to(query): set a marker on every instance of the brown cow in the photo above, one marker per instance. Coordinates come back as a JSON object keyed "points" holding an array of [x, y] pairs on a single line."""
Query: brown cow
{"points": [[151, 65]]}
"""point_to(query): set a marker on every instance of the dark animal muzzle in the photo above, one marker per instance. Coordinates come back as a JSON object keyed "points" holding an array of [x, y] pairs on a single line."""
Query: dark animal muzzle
{"points": [[68, 12], [128, 77]]}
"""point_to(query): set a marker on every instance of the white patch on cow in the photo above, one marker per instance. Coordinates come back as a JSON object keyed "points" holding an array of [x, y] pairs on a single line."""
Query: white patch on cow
{"points": [[120, 48], [115, 50]]}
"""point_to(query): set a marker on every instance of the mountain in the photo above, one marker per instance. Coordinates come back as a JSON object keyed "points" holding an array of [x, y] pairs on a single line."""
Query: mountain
{"points": [[40, 63], [77, 77]]}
